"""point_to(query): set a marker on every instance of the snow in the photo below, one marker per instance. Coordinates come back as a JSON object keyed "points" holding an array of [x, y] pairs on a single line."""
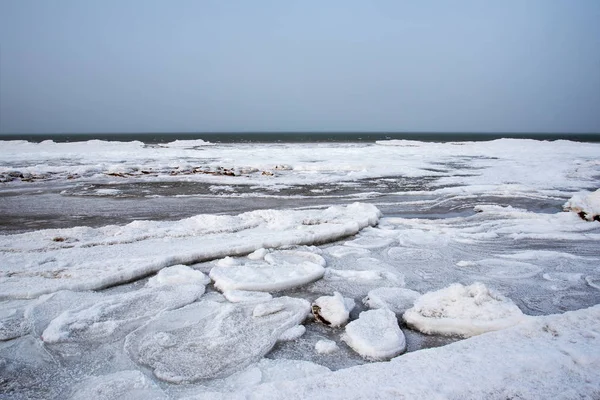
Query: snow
{"points": [[585, 204], [462, 310], [325, 346], [211, 340], [397, 300], [86, 258], [178, 275], [332, 310], [375, 335]]}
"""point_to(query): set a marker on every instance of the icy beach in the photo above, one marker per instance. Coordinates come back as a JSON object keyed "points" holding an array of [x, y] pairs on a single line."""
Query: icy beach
{"points": [[390, 269]]}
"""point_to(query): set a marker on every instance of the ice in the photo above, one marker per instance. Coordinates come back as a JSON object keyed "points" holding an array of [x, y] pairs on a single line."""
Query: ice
{"points": [[86, 258], [281, 270], [375, 335], [114, 316], [178, 275], [397, 300], [343, 251], [463, 310], [258, 254], [119, 385], [12, 319], [556, 356], [325, 346], [211, 340], [293, 333], [369, 242], [586, 204], [245, 296], [332, 310], [186, 143]]}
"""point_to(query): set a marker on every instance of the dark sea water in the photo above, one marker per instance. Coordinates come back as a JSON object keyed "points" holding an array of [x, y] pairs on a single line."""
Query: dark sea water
{"points": [[298, 137]]}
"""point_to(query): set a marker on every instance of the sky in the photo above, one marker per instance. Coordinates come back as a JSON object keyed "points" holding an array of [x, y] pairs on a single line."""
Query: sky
{"points": [[78, 66]]}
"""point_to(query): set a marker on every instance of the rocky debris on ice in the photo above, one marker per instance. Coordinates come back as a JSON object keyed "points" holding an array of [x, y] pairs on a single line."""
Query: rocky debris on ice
{"points": [[332, 310], [463, 311], [585, 204], [398, 300], [279, 271], [326, 346], [375, 335], [207, 340]]}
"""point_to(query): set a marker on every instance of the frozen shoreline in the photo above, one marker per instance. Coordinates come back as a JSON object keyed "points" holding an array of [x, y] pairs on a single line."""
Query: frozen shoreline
{"points": [[486, 212]]}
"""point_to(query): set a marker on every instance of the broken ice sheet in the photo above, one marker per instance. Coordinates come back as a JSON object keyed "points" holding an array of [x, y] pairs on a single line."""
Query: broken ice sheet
{"points": [[207, 340]]}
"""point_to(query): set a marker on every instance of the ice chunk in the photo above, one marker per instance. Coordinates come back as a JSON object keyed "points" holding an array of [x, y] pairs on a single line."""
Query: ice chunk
{"points": [[462, 310], [375, 335], [354, 275], [265, 277], [228, 262], [398, 300], [113, 316], [293, 333], [586, 204], [209, 340], [258, 254], [325, 346], [246, 296], [186, 143], [119, 385], [332, 310], [178, 275]]}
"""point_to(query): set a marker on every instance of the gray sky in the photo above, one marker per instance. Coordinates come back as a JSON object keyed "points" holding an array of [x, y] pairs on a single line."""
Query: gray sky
{"points": [[226, 65]]}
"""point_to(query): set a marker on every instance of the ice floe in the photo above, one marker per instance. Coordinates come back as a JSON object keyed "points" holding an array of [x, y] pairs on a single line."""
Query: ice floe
{"points": [[375, 335], [462, 310], [178, 275], [210, 340], [119, 385], [86, 258], [246, 296]]}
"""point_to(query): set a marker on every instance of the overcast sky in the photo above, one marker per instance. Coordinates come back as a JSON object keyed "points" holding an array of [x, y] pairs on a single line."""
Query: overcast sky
{"points": [[226, 65]]}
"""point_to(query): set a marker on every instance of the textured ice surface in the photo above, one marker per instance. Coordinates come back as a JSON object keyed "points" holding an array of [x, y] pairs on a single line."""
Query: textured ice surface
{"points": [[462, 310], [119, 385], [397, 300], [84, 258], [210, 340], [375, 335], [113, 316], [12, 319], [293, 333]]}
